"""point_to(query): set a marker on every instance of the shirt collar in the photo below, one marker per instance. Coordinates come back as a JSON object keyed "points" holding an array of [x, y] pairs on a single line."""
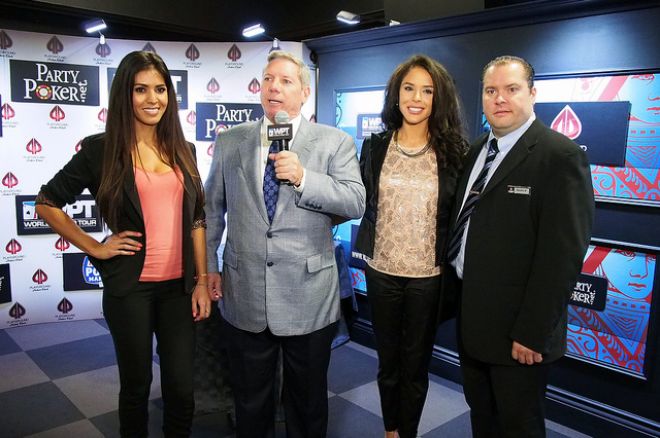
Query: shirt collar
{"points": [[506, 142]]}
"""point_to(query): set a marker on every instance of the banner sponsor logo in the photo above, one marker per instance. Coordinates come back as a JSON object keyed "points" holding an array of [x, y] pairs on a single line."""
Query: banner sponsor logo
{"points": [[65, 307], [368, 124], [5, 284], [45, 82], [54, 45], [77, 147], [254, 86], [62, 244], [210, 149], [103, 50], [39, 276], [35, 149], [590, 291], [14, 251], [234, 54], [17, 312], [600, 128], [215, 117], [9, 181], [57, 113], [357, 259], [5, 45], [192, 54], [149, 48], [213, 86], [80, 273], [191, 118], [8, 112], [84, 213], [102, 115]]}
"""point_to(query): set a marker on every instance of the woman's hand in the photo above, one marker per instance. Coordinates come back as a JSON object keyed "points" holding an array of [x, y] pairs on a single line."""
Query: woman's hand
{"points": [[118, 244], [201, 302]]}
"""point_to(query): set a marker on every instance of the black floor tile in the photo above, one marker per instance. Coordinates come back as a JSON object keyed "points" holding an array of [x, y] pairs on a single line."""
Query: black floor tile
{"points": [[74, 357], [35, 409], [349, 369], [108, 424], [7, 344]]}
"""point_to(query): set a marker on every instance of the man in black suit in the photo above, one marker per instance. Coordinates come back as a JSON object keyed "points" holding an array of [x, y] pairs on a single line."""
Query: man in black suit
{"points": [[521, 226]]}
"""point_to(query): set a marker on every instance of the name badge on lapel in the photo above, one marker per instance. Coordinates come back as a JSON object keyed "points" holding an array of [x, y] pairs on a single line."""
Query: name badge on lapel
{"points": [[519, 190]]}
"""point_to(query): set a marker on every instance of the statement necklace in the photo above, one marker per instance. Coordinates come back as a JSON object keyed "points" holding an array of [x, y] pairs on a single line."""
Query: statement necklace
{"points": [[416, 153]]}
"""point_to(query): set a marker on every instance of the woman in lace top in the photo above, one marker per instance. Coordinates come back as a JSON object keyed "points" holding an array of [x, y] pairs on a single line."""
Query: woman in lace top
{"points": [[410, 173]]}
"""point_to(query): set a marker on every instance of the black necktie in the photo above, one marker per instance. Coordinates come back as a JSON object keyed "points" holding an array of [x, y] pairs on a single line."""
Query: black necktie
{"points": [[471, 202], [271, 184]]}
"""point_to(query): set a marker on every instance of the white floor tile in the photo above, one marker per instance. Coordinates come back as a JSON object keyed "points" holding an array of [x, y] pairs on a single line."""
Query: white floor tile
{"points": [[23, 371], [44, 335]]}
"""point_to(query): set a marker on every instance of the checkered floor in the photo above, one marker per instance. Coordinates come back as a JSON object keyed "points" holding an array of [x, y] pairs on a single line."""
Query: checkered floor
{"points": [[60, 380]]}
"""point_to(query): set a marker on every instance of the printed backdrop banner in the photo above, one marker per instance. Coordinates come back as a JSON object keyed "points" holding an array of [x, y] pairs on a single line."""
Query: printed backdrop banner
{"points": [[54, 91]]}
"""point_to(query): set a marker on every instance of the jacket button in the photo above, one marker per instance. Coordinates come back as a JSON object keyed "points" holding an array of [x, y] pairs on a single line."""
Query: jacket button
{"points": [[270, 264], [269, 234]]}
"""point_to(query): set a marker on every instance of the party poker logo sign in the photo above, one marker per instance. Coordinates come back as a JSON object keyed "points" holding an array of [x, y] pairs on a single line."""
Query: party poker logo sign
{"points": [[84, 213], [45, 82], [214, 117], [80, 273]]}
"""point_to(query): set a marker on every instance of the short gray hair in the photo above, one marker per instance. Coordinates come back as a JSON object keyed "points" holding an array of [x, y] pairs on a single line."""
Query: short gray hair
{"points": [[303, 71]]}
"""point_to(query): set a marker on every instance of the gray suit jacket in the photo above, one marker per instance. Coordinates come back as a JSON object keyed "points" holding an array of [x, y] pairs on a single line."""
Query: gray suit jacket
{"points": [[281, 275]]}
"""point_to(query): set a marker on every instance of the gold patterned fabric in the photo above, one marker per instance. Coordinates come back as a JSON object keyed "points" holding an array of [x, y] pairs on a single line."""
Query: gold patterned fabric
{"points": [[407, 215]]}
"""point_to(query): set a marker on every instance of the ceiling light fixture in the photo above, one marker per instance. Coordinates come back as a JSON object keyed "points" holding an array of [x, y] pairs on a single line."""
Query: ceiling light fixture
{"points": [[95, 26], [348, 17], [275, 46], [254, 30]]}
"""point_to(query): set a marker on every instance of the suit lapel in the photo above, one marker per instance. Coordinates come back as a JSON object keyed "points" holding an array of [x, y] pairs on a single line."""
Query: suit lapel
{"points": [[517, 155], [249, 152], [131, 192]]}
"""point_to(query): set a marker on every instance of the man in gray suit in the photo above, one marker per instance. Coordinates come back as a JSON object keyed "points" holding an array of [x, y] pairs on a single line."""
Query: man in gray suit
{"points": [[279, 285]]}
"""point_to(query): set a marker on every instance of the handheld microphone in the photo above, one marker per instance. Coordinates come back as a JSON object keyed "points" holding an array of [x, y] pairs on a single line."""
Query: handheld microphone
{"points": [[281, 131]]}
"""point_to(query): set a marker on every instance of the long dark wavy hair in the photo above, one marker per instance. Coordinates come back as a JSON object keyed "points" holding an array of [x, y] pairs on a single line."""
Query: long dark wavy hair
{"points": [[121, 141], [445, 122]]}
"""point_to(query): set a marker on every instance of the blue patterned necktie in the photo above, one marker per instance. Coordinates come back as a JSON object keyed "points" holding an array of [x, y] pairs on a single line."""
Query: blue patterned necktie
{"points": [[271, 183], [470, 203]]}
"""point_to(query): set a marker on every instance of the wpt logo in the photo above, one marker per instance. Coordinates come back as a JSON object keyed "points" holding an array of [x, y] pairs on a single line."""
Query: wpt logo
{"points": [[5, 40], [254, 87], [57, 113], [103, 50], [17, 311], [567, 123], [54, 45], [9, 180], [39, 276], [33, 146], [62, 244], [234, 53], [65, 306], [213, 86], [192, 52], [8, 112], [13, 247]]}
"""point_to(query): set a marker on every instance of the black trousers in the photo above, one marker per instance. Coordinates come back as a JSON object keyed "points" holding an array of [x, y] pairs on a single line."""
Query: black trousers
{"points": [[404, 317], [160, 308], [253, 359], [505, 401]]}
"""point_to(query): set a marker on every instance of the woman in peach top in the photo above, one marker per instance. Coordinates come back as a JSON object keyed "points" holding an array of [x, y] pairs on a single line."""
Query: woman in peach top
{"points": [[144, 178], [410, 173]]}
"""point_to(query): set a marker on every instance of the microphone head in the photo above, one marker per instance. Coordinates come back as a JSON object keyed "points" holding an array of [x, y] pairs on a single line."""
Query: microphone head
{"points": [[281, 117]]}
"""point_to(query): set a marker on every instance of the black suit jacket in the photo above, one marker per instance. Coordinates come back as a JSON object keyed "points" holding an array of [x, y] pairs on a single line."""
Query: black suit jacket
{"points": [[526, 241], [372, 157], [120, 274]]}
